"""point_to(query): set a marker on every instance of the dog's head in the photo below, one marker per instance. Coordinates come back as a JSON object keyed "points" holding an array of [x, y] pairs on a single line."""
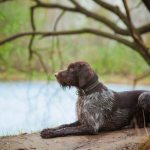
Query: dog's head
{"points": [[77, 74]]}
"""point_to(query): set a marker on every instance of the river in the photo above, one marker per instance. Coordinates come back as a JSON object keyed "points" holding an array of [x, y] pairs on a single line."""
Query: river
{"points": [[32, 106]]}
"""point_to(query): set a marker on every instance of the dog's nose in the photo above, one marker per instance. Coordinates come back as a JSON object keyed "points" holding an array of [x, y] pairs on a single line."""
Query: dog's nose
{"points": [[56, 74]]}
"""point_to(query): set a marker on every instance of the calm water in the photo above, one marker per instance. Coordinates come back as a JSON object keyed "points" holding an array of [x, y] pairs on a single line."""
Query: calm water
{"points": [[30, 107]]}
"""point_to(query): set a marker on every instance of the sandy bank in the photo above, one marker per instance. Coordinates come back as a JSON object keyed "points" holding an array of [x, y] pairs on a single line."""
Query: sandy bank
{"points": [[117, 140]]}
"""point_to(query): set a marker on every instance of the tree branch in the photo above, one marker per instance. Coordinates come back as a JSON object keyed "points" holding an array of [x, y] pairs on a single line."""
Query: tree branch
{"points": [[41, 61], [2, 1], [32, 9], [57, 38], [72, 32], [56, 6], [147, 4], [110, 24], [135, 35], [114, 9], [79, 9], [144, 29]]}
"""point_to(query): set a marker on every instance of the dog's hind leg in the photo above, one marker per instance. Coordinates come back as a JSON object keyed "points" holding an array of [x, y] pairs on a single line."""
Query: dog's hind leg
{"points": [[144, 104], [144, 101]]}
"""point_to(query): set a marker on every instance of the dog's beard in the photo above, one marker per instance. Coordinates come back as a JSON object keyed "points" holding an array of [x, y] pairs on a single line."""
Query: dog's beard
{"points": [[64, 85]]}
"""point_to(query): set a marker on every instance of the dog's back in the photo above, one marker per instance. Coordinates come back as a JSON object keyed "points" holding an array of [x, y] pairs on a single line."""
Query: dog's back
{"points": [[110, 110]]}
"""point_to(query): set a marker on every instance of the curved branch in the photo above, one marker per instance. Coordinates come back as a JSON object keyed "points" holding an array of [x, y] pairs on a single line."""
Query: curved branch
{"points": [[83, 11], [57, 38], [33, 28], [144, 29], [110, 24], [73, 32], [56, 6], [114, 9], [41, 61], [2, 1], [136, 36], [79, 9]]}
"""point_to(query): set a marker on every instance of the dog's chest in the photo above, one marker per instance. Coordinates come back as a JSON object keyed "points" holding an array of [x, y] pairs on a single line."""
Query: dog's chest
{"points": [[94, 104], [97, 110]]}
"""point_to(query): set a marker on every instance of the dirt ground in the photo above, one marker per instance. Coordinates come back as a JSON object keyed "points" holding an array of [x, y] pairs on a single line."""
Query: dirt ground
{"points": [[118, 140]]}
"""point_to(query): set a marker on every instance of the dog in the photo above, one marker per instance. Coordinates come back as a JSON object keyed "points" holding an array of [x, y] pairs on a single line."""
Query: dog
{"points": [[99, 108]]}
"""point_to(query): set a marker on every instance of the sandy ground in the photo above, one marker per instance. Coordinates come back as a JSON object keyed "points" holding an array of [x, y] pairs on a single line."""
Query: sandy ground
{"points": [[118, 140]]}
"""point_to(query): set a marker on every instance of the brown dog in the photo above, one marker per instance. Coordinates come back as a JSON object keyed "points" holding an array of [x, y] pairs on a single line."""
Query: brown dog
{"points": [[99, 108]]}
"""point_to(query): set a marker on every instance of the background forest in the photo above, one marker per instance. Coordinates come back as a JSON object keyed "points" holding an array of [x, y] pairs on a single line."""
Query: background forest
{"points": [[112, 60]]}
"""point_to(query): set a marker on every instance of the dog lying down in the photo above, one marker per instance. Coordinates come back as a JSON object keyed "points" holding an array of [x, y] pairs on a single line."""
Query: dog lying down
{"points": [[99, 108]]}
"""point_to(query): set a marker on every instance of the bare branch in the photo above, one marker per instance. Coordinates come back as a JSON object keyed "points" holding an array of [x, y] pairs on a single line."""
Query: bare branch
{"points": [[58, 19], [56, 6], [136, 36], [57, 38], [134, 33], [114, 9], [147, 4], [33, 28], [144, 75], [41, 61], [98, 18], [79, 9], [72, 32], [2, 1], [144, 29]]}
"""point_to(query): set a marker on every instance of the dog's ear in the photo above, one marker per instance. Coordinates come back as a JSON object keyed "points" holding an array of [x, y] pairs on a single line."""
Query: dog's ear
{"points": [[82, 79], [85, 74]]}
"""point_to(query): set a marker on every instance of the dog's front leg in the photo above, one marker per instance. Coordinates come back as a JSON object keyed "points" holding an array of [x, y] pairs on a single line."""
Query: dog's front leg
{"points": [[79, 130], [74, 124]]}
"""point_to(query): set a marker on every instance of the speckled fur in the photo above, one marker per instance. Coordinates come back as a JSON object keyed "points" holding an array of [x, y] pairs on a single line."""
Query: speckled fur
{"points": [[144, 100], [97, 110]]}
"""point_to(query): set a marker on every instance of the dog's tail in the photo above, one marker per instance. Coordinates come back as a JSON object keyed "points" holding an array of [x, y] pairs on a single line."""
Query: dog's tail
{"points": [[144, 101]]}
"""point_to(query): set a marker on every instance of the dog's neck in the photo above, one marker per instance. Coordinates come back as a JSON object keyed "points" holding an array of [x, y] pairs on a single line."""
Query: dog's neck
{"points": [[92, 86]]}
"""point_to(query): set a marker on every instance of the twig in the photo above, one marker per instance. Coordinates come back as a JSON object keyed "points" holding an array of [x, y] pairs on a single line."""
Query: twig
{"points": [[113, 9], [2, 1], [57, 38], [33, 28], [146, 74], [41, 61], [143, 50], [137, 6]]}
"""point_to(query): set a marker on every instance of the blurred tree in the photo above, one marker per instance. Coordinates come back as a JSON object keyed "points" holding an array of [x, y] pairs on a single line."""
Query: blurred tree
{"points": [[125, 32]]}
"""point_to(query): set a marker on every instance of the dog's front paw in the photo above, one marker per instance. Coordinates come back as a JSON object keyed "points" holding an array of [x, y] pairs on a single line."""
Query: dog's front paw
{"points": [[47, 133]]}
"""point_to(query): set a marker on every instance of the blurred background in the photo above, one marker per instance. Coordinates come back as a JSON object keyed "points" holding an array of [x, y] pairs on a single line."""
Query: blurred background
{"points": [[99, 32]]}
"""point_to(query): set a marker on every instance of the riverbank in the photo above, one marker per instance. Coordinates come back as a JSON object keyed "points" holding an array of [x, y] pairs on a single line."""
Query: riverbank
{"points": [[130, 139], [107, 78]]}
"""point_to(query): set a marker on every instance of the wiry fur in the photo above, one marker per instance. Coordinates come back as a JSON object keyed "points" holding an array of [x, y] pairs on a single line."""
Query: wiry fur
{"points": [[98, 108], [144, 100]]}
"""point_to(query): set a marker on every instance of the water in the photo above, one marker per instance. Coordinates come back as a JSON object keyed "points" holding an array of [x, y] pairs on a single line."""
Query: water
{"points": [[33, 106]]}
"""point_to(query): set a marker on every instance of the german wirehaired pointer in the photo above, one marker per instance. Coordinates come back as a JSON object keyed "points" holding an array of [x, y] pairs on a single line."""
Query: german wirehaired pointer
{"points": [[99, 108]]}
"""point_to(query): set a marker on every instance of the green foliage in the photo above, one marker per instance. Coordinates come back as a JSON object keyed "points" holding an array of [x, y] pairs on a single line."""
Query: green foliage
{"points": [[110, 58], [106, 57]]}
